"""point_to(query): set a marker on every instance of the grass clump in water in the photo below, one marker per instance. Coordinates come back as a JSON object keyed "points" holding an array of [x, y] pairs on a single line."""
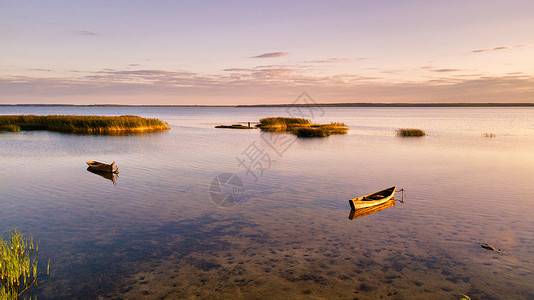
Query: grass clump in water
{"points": [[410, 132], [301, 127], [281, 124], [322, 130], [18, 265], [84, 124], [10, 127], [310, 132], [283, 121], [234, 126], [335, 128]]}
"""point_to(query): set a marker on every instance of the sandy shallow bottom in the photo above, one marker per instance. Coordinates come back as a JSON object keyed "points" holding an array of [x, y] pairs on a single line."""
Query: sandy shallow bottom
{"points": [[283, 255]]}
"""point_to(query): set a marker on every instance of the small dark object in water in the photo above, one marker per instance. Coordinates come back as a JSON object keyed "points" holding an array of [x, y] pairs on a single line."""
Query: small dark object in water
{"points": [[489, 247], [234, 126]]}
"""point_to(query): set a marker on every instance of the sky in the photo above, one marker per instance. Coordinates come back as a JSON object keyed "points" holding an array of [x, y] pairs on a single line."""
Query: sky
{"points": [[265, 52]]}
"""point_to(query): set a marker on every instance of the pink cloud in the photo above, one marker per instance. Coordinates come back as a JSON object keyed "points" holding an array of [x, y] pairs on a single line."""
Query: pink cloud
{"points": [[271, 55], [497, 48]]}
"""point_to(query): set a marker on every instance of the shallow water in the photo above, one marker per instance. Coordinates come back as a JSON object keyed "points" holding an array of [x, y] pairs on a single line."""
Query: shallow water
{"points": [[157, 233]]}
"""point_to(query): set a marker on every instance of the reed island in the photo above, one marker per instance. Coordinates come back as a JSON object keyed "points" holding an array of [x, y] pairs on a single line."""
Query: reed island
{"points": [[407, 132], [303, 128], [82, 124]]}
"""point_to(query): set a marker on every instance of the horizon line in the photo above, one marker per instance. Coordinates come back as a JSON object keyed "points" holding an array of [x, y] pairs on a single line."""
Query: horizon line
{"points": [[341, 104]]}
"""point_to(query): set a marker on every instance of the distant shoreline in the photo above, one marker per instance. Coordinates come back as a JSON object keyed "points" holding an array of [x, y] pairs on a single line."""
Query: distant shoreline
{"points": [[294, 105]]}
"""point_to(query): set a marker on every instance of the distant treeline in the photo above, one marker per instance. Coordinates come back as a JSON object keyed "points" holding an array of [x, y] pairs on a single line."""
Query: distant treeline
{"points": [[395, 105], [472, 104]]}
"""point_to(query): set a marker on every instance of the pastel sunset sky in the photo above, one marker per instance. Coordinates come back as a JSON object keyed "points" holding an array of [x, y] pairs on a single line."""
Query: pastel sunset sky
{"points": [[252, 52]]}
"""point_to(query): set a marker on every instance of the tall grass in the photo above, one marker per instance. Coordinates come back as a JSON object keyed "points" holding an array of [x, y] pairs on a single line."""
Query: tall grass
{"points": [[18, 265], [321, 130], [283, 121], [310, 132], [335, 128], [410, 132], [84, 124], [280, 124], [301, 127], [10, 127]]}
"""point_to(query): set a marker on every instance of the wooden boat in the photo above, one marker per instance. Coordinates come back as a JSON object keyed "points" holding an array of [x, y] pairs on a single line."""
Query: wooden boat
{"points": [[358, 213], [372, 199], [98, 166]]}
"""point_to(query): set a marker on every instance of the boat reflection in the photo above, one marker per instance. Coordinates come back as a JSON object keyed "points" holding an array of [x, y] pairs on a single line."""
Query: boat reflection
{"points": [[110, 176], [358, 213]]}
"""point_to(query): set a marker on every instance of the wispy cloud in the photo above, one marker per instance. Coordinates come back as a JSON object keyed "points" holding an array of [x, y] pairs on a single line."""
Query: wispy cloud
{"points": [[441, 70], [262, 84], [391, 71], [271, 55], [238, 70], [41, 70], [87, 33], [153, 77], [497, 48], [330, 60], [446, 70]]}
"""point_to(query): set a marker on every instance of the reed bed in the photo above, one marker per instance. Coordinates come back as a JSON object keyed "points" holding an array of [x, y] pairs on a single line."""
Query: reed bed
{"points": [[282, 124], [18, 265], [10, 127], [410, 132], [335, 128], [283, 121], [305, 132], [84, 124], [301, 127]]}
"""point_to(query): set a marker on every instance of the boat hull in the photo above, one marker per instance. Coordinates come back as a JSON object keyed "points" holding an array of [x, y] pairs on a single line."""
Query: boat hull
{"points": [[361, 212], [102, 167], [373, 199]]}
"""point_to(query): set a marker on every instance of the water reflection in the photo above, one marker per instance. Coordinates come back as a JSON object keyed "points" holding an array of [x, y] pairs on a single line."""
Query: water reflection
{"points": [[158, 235], [357, 213], [110, 176]]}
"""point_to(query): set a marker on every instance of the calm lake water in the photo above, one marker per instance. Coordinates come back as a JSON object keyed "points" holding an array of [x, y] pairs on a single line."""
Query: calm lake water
{"points": [[165, 230]]}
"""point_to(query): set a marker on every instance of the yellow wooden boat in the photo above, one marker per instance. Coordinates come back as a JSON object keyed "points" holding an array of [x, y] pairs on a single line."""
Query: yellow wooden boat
{"points": [[372, 199], [98, 166], [358, 213]]}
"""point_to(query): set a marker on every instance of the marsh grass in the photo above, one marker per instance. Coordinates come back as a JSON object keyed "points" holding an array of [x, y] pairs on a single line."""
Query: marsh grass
{"points": [[84, 124], [310, 132], [234, 126], [410, 132], [301, 127], [335, 128], [10, 127], [18, 265], [283, 122]]}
